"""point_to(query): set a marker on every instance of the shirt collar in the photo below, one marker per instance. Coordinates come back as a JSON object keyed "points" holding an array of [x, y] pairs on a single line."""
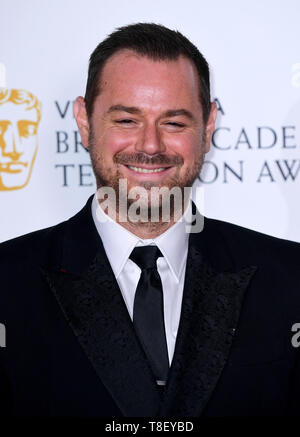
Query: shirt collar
{"points": [[118, 242]]}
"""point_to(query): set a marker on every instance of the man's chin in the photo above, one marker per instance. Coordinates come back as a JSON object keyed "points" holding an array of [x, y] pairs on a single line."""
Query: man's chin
{"points": [[147, 185]]}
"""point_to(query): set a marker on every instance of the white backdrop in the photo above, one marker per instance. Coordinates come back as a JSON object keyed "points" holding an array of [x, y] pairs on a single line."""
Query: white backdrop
{"points": [[252, 174]]}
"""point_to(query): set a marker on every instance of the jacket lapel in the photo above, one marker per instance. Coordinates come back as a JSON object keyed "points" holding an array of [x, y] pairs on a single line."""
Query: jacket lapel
{"points": [[211, 306], [93, 305]]}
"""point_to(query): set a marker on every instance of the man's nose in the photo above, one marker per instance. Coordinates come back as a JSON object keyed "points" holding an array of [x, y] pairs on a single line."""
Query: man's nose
{"points": [[150, 141]]}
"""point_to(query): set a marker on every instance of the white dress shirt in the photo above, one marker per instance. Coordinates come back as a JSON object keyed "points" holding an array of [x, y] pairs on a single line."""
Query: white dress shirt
{"points": [[118, 243]]}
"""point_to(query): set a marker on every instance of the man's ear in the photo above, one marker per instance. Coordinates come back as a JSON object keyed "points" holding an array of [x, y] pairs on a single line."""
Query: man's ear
{"points": [[82, 121], [210, 125]]}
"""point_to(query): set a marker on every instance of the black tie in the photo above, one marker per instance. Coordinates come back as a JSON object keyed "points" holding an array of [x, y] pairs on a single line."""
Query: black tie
{"points": [[148, 311]]}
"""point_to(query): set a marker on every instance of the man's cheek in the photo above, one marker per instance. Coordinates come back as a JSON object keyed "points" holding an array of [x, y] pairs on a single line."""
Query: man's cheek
{"points": [[114, 142], [184, 145]]}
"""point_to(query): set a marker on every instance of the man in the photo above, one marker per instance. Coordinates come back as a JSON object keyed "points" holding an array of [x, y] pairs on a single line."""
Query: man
{"points": [[115, 314], [20, 114]]}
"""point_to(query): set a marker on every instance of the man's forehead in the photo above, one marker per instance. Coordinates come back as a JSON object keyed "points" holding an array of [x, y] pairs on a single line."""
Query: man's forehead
{"points": [[129, 73], [123, 57]]}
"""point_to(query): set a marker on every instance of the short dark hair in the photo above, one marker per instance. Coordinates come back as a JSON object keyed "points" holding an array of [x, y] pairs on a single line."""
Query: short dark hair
{"points": [[154, 41]]}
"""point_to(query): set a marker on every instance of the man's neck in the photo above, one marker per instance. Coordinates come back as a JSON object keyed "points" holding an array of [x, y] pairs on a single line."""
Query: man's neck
{"points": [[144, 229], [147, 230]]}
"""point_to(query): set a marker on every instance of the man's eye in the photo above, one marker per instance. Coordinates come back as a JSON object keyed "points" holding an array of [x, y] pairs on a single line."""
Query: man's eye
{"points": [[125, 121], [175, 124]]}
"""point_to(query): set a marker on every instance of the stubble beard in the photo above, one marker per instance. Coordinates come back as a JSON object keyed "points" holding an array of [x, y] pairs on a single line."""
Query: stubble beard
{"points": [[110, 177]]}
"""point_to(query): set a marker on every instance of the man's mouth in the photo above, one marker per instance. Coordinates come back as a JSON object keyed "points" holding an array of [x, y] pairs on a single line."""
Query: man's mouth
{"points": [[147, 170], [144, 167]]}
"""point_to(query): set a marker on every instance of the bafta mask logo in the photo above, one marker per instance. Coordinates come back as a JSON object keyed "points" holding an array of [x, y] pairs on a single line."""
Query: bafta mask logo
{"points": [[20, 114]]}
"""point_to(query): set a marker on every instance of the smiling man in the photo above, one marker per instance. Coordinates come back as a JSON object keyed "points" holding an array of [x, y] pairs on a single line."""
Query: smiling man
{"points": [[116, 312], [151, 128]]}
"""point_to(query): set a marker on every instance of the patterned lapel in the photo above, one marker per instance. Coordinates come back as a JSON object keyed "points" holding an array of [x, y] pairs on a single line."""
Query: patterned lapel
{"points": [[211, 306], [94, 307], [80, 276]]}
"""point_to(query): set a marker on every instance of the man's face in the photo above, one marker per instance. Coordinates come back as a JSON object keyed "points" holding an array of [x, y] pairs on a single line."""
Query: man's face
{"points": [[147, 123], [18, 144]]}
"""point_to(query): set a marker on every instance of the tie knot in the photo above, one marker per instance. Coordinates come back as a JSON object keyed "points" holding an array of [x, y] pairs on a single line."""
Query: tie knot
{"points": [[145, 257]]}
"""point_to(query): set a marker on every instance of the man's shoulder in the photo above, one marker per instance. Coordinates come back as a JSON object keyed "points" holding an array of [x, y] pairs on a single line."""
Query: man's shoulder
{"points": [[29, 247], [45, 247], [251, 235], [253, 245]]}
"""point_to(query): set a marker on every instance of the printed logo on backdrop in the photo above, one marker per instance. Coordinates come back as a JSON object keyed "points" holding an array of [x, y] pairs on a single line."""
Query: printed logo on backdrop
{"points": [[20, 114], [272, 146], [73, 164]]}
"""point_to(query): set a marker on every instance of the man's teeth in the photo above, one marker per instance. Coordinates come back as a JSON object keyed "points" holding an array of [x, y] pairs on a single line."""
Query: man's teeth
{"points": [[146, 170]]}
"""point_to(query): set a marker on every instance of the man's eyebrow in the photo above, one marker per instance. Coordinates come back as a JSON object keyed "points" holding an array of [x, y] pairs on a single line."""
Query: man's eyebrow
{"points": [[168, 113], [129, 109], [176, 112]]}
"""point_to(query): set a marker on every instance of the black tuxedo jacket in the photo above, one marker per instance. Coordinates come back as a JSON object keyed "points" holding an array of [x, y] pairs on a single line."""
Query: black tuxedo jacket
{"points": [[71, 349]]}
